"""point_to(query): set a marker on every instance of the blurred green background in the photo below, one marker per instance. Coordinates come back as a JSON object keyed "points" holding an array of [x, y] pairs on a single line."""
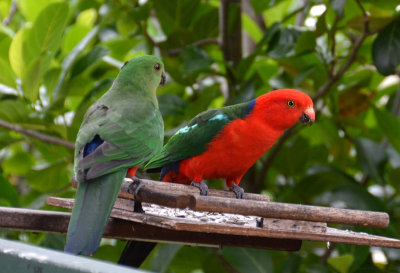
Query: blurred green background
{"points": [[58, 57]]}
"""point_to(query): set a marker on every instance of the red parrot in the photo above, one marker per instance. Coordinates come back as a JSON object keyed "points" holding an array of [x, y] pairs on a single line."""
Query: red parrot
{"points": [[226, 142]]}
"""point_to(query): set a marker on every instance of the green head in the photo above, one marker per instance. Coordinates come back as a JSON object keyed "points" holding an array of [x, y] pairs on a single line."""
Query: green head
{"points": [[145, 73]]}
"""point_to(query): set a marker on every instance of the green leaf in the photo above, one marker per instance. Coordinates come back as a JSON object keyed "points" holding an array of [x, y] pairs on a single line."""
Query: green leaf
{"points": [[360, 254], [20, 162], [109, 252], [252, 29], [162, 257], [59, 93], [248, 259], [31, 9], [341, 263], [171, 105], [372, 158], [291, 264], [386, 49], [6, 75], [73, 36], [8, 192], [390, 125], [354, 196], [43, 40], [261, 5], [321, 26], [16, 54], [45, 35], [89, 59], [283, 44], [49, 178], [375, 23], [5, 42], [319, 180], [188, 259], [306, 42], [293, 165], [303, 75], [175, 14], [195, 59], [205, 25], [32, 76], [14, 111]]}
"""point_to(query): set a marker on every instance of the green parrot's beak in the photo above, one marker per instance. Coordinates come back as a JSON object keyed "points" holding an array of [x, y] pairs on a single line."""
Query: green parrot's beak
{"points": [[163, 79]]}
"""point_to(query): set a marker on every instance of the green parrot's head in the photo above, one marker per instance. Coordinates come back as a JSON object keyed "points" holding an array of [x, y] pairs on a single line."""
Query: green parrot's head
{"points": [[146, 71]]}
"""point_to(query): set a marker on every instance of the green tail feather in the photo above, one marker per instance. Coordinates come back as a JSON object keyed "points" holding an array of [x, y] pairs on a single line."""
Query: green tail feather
{"points": [[93, 204]]}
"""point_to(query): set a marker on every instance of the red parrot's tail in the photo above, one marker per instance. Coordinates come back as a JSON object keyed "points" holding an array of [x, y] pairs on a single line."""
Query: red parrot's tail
{"points": [[174, 177], [171, 173]]}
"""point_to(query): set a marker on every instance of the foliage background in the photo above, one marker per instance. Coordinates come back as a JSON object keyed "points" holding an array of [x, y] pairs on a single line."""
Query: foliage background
{"points": [[58, 57]]}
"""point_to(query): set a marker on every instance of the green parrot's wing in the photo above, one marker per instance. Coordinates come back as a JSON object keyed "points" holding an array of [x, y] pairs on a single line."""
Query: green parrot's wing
{"points": [[192, 139], [115, 137]]}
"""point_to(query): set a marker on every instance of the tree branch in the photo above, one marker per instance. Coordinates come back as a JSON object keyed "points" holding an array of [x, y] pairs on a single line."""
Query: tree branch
{"points": [[34, 134], [327, 254], [295, 12], [231, 39], [334, 78], [10, 16], [301, 16], [322, 91]]}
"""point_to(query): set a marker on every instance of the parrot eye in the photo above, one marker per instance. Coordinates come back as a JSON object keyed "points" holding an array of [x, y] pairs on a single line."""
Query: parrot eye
{"points": [[157, 67], [291, 103]]}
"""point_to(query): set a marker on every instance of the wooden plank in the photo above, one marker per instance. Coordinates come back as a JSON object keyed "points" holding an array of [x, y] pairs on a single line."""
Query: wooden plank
{"points": [[21, 257], [291, 211], [183, 196], [182, 189], [197, 202], [57, 222], [271, 228]]}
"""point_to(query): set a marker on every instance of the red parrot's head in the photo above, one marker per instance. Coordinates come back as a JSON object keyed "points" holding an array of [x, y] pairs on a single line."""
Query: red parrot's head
{"points": [[283, 108]]}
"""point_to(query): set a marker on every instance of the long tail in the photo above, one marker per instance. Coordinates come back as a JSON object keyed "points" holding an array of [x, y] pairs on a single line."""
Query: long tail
{"points": [[93, 204], [135, 252]]}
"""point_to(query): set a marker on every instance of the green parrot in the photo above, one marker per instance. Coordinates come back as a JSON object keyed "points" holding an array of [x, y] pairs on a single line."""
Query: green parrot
{"points": [[119, 132]]}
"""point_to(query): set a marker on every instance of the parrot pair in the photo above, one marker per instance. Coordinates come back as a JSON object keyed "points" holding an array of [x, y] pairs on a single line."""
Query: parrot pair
{"points": [[124, 129]]}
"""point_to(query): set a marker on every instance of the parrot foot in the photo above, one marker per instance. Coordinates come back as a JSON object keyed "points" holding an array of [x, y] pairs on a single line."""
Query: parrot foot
{"points": [[239, 192], [202, 186], [134, 188]]}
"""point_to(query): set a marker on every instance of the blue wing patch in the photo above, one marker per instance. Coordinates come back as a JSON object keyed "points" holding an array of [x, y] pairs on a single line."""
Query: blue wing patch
{"points": [[250, 107], [92, 145]]}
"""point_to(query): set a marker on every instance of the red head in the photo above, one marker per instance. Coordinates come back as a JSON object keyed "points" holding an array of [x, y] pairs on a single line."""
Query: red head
{"points": [[283, 108]]}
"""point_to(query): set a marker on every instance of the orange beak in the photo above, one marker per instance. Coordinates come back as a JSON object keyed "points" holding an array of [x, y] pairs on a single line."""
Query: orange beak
{"points": [[308, 116]]}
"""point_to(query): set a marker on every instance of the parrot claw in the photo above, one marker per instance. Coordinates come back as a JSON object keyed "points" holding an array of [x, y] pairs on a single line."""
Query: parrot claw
{"points": [[239, 192], [202, 186], [134, 188]]}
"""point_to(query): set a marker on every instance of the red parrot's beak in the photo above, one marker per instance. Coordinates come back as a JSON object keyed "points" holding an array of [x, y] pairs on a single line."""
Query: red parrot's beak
{"points": [[308, 116]]}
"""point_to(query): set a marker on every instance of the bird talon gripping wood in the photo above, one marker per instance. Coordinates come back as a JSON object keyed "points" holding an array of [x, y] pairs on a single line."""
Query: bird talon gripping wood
{"points": [[134, 188], [239, 191], [202, 186]]}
